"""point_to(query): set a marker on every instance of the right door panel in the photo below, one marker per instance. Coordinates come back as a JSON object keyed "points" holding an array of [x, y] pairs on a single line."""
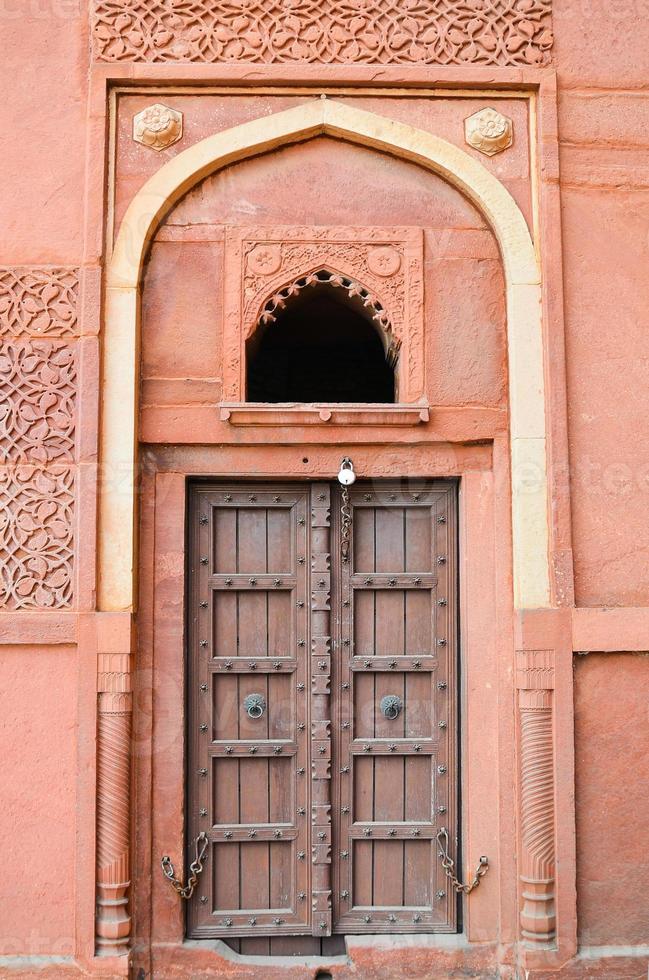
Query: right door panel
{"points": [[394, 710]]}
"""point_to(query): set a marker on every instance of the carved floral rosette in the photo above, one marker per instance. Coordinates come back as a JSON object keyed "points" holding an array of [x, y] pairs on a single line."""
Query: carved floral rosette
{"points": [[385, 264]]}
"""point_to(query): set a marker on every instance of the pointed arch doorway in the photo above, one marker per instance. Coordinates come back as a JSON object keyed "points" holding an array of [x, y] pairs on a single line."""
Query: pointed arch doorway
{"points": [[531, 531]]}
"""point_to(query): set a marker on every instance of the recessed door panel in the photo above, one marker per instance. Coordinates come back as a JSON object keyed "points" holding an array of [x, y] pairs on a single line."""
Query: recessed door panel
{"points": [[321, 742]]}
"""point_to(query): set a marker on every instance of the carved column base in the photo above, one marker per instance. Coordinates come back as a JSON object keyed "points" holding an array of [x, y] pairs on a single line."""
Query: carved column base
{"points": [[113, 920], [538, 919]]}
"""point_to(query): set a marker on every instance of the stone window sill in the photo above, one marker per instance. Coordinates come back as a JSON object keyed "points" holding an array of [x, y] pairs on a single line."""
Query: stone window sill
{"points": [[253, 413]]}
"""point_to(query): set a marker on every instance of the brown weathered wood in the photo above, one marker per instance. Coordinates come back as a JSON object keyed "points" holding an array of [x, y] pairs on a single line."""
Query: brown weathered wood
{"points": [[322, 801], [250, 802], [402, 563]]}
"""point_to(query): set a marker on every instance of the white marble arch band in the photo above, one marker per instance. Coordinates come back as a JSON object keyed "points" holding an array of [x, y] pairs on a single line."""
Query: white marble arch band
{"points": [[118, 447]]}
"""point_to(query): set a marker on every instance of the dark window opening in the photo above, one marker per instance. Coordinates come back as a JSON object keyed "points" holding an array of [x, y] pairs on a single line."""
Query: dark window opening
{"points": [[322, 347]]}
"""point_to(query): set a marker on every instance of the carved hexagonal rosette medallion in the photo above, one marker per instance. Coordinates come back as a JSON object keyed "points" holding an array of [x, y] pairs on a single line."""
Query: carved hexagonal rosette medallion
{"points": [[489, 131], [157, 126]]}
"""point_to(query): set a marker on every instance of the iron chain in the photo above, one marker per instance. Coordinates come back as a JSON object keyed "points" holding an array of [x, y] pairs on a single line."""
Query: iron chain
{"points": [[346, 524], [195, 868], [449, 865]]}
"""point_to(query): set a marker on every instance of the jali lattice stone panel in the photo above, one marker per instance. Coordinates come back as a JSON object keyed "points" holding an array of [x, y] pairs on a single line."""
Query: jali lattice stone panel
{"points": [[36, 537], [399, 32], [38, 302], [37, 401]]}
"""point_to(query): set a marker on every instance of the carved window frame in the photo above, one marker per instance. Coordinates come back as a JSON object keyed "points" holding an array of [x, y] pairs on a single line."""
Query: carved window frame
{"points": [[264, 266]]}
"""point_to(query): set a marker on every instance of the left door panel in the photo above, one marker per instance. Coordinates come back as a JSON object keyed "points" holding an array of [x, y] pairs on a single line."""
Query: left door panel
{"points": [[248, 734]]}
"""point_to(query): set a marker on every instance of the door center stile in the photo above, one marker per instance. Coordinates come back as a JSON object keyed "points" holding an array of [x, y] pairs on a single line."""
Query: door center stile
{"points": [[321, 648]]}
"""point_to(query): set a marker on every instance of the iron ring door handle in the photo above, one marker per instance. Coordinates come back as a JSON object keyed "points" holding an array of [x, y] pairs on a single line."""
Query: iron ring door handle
{"points": [[255, 705], [391, 706]]}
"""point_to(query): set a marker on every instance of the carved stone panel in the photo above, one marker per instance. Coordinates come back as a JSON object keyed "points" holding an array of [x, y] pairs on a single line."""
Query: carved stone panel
{"points": [[37, 402], [38, 302], [423, 32], [36, 537], [382, 265]]}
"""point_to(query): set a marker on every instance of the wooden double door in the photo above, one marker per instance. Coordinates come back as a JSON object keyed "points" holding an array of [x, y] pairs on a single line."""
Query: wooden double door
{"points": [[322, 732]]}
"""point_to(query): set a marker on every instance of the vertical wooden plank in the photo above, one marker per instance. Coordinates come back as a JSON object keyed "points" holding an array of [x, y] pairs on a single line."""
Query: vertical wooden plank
{"points": [[253, 624], [417, 706], [279, 538], [418, 551], [254, 871], [362, 893], [390, 538], [224, 624], [364, 705], [225, 707], [280, 624], [252, 542], [364, 622], [280, 710], [389, 625], [224, 861], [388, 855], [363, 789], [416, 877], [363, 525], [418, 788], [281, 875], [225, 790], [254, 862], [280, 796], [224, 540], [388, 788], [388, 873], [418, 623]]}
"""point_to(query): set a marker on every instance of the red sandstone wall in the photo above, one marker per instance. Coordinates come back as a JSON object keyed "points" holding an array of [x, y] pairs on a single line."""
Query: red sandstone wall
{"points": [[612, 767], [602, 62], [601, 57], [44, 79]]}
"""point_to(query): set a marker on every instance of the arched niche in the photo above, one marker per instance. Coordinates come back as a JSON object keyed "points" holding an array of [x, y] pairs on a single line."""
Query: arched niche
{"points": [[531, 575], [322, 338]]}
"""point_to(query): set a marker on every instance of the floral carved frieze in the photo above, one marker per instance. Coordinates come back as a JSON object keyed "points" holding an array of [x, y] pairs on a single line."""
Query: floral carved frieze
{"points": [[382, 267], [38, 302], [399, 32], [37, 402], [36, 537]]}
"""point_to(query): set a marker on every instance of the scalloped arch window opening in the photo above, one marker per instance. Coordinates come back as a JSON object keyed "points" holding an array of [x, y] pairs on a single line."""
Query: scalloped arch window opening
{"points": [[322, 339]]}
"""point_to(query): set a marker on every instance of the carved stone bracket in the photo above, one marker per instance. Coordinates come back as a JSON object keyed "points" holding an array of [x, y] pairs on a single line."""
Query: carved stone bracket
{"points": [[321, 709], [114, 714], [381, 267], [535, 683]]}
